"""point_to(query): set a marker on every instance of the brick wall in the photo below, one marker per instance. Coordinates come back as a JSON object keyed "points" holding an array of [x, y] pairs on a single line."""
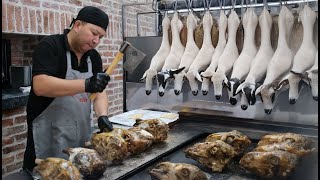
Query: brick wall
{"points": [[22, 48], [27, 21], [14, 134]]}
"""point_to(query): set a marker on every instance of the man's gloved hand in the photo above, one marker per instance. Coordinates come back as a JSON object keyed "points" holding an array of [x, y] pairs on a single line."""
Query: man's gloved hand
{"points": [[104, 124], [97, 83]]}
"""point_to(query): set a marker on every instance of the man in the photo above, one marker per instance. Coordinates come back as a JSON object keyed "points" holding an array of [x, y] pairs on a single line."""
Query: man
{"points": [[66, 70]]}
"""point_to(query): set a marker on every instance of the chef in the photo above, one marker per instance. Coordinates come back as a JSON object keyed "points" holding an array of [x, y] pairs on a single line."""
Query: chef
{"points": [[66, 69]]}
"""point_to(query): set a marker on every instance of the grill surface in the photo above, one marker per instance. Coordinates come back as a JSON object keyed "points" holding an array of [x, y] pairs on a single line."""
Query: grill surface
{"points": [[192, 128], [305, 169]]}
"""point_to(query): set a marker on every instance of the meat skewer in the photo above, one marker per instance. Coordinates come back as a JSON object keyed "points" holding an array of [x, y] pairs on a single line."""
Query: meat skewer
{"points": [[207, 74], [159, 58]]}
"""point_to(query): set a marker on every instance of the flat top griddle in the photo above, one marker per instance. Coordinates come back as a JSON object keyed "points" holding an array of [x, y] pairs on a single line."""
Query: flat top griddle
{"points": [[192, 129], [305, 169], [176, 138]]}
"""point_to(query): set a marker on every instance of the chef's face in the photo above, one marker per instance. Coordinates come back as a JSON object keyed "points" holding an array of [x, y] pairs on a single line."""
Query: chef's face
{"points": [[88, 36]]}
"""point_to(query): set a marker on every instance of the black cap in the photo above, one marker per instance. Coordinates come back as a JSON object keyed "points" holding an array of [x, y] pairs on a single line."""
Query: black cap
{"points": [[94, 16]]}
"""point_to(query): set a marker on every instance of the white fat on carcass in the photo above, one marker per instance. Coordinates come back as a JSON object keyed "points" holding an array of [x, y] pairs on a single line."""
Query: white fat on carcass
{"points": [[189, 54], [203, 58], [311, 78], [222, 23], [228, 57], [304, 58], [174, 58], [312, 75], [259, 64], [241, 66], [280, 62], [159, 58]]}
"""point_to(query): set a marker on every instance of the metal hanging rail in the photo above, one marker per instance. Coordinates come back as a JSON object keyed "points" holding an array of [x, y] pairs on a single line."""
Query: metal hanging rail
{"points": [[239, 6]]}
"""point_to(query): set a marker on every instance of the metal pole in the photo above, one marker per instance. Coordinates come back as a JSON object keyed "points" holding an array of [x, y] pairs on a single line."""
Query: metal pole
{"points": [[239, 6], [138, 24]]}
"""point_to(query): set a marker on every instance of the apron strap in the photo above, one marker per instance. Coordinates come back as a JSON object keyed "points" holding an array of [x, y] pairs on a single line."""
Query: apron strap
{"points": [[89, 64], [69, 60]]}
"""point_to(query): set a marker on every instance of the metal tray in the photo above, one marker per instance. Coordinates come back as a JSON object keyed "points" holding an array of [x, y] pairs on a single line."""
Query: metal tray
{"points": [[305, 169]]}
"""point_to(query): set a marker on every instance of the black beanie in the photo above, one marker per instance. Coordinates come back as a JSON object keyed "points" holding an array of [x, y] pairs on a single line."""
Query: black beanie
{"points": [[94, 16]]}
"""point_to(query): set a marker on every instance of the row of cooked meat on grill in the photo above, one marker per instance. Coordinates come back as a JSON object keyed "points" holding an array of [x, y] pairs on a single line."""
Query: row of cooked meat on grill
{"points": [[276, 155], [103, 149], [251, 56]]}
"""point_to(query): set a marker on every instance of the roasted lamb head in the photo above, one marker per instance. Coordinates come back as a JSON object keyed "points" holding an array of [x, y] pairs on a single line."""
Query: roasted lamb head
{"points": [[156, 127], [111, 146], [269, 164], [235, 138], [88, 161], [136, 138], [290, 147], [297, 139], [56, 169], [176, 171], [139, 140], [214, 155]]}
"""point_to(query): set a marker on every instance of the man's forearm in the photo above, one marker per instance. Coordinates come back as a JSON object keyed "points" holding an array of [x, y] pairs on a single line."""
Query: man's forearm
{"points": [[101, 104], [49, 86]]}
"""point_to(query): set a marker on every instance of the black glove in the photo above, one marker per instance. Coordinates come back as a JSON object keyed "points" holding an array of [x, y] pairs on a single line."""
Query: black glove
{"points": [[97, 83], [104, 124]]}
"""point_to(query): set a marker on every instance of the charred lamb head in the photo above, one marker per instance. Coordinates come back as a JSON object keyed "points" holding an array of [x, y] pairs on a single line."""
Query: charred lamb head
{"points": [[139, 141], [156, 127], [110, 146], [297, 139], [234, 138], [290, 147], [214, 155], [176, 171], [269, 164], [88, 161], [56, 169]]}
